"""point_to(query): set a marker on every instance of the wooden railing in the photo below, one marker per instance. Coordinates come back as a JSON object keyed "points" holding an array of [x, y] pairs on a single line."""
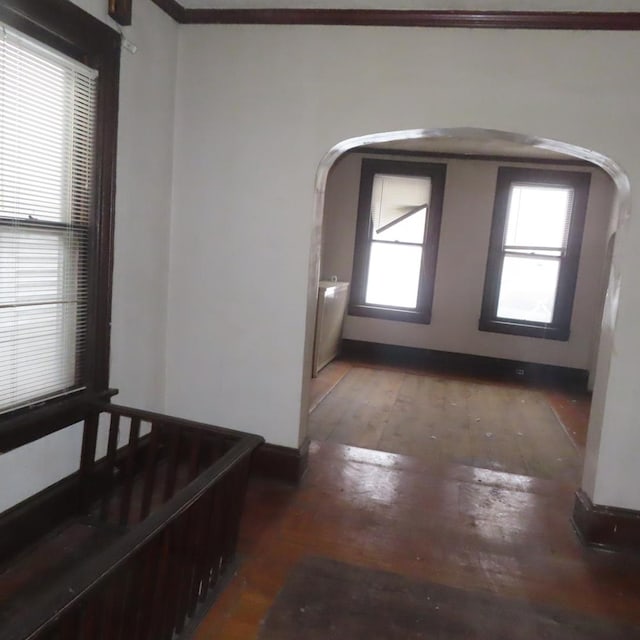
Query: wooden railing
{"points": [[173, 497]]}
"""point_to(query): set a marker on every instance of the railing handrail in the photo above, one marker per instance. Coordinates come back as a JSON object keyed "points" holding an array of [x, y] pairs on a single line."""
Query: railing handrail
{"points": [[152, 416], [68, 590]]}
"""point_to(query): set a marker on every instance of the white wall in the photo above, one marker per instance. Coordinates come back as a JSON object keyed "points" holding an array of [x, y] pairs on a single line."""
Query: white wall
{"points": [[462, 256], [143, 206], [258, 108]]}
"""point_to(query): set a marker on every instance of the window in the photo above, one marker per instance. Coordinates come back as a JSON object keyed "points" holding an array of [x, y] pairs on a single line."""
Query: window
{"points": [[399, 214], [58, 90], [534, 251]]}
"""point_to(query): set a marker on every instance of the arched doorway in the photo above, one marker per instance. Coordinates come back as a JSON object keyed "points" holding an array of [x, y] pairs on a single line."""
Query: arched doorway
{"points": [[497, 144]]}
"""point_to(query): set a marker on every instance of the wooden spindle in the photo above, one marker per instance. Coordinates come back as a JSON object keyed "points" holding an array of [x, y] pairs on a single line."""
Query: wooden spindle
{"points": [[175, 531], [160, 588], [112, 448], [172, 464], [150, 470], [109, 621], [188, 565], [88, 460], [130, 462], [201, 542], [194, 455]]}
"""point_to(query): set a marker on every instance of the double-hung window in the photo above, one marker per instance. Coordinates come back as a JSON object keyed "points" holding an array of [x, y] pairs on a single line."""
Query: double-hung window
{"points": [[56, 186], [399, 214], [534, 251], [47, 122]]}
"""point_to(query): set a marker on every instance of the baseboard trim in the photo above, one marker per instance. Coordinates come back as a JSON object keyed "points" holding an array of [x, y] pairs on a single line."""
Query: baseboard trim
{"points": [[610, 528], [466, 364], [280, 463]]}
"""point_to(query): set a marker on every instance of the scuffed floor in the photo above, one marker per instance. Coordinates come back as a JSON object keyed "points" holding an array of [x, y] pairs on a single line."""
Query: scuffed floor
{"points": [[480, 530]]}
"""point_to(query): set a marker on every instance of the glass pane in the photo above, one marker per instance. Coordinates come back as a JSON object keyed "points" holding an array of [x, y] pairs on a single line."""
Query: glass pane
{"points": [[538, 216], [410, 229], [38, 314], [528, 289], [394, 275], [36, 355], [398, 207], [32, 183]]}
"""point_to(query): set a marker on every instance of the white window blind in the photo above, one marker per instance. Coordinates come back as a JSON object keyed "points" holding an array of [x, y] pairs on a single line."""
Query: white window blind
{"points": [[47, 123]]}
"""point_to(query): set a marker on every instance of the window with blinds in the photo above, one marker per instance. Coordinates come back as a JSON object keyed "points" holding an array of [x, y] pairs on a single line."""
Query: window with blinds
{"points": [[534, 252], [47, 131]]}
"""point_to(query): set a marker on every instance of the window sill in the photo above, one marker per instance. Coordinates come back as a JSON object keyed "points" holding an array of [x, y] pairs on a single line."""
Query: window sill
{"points": [[391, 313], [26, 425], [525, 329]]}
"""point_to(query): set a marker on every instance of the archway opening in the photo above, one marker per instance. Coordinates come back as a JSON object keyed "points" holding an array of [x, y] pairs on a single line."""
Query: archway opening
{"points": [[459, 285]]}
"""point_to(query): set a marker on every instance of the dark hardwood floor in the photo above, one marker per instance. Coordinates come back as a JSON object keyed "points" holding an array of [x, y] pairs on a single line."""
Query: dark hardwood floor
{"points": [[441, 419], [484, 531], [498, 534]]}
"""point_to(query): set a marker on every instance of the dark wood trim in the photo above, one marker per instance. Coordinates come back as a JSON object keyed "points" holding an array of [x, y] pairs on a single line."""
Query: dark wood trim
{"points": [[61, 25], [466, 364], [441, 155], [92, 574], [120, 11], [363, 241], [280, 463], [566, 20], [172, 9], [99, 338], [54, 415], [560, 326], [65, 27], [610, 528]]}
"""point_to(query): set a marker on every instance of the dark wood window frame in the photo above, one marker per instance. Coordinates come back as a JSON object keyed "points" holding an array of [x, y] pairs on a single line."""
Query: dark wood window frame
{"points": [[560, 326], [422, 312], [65, 27]]}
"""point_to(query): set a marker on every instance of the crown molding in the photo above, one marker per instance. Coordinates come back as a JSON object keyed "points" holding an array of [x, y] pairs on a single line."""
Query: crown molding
{"points": [[563, 20], [173, 9]]}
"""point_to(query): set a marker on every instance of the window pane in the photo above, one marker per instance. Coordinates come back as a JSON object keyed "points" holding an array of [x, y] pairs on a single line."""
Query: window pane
{"points": [[38, 315], [32, 185], [398, 207], [409, 229], [528, 289], [394, 275], [538, 216]]}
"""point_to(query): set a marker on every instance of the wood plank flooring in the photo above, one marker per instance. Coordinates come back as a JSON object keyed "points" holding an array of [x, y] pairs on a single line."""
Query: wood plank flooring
{"points": [[442, 420], [491, 532], [459, 526]]}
